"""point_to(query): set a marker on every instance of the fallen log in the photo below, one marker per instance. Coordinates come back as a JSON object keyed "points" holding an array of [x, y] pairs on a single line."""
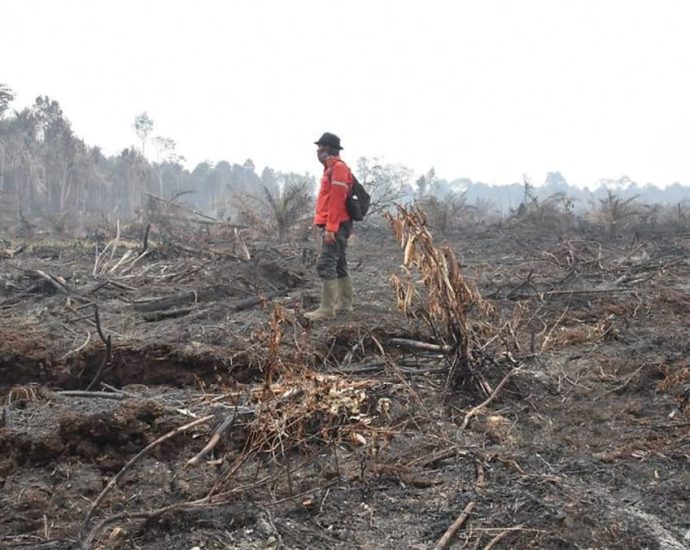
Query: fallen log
{"points": [[158, 305], [95, 394], [571, 292], [11, 253], [167, 302], [59, 285], [415, 344], [155, 316], [93, 287], [209, 220], [201, 251], [256, 300], [379, 367]]}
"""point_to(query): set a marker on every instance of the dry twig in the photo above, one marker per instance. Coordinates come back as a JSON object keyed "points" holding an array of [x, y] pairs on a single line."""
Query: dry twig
{"points": [[455, 526], [444, 541], [227, 423], [501, 535], [475, 410], [108, 351]]}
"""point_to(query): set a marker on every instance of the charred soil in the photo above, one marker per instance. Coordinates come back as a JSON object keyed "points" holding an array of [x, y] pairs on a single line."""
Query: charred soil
{"points": [[119, 366]]}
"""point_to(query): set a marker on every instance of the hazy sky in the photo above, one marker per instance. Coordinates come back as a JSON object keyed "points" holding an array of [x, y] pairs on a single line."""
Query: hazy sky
{"points": [[486, 89]]}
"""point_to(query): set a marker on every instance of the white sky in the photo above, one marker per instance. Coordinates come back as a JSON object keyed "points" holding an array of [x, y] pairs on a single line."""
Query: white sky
{"points": [[486, 89]]}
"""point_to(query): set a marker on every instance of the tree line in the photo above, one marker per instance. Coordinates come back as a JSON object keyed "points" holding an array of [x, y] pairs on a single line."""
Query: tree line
{"points": [[47, 172]]}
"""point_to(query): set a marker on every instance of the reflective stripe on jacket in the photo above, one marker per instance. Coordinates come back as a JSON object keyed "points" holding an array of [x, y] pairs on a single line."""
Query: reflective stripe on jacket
{"points": [[331, 208]]}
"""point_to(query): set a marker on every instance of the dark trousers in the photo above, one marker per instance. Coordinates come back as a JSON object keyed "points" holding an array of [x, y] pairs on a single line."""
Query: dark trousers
{"points": [[332, 262]]}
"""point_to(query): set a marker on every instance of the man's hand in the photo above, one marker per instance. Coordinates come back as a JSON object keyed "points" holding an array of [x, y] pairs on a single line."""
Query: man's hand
{"points": [[328, 237]]}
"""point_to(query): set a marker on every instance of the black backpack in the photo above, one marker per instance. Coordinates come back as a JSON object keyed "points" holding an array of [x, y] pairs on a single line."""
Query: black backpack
{"points": [[358, 201]]}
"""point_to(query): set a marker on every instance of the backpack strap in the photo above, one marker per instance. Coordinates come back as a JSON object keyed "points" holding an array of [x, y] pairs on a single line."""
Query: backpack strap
{"points": [[352, 176]]}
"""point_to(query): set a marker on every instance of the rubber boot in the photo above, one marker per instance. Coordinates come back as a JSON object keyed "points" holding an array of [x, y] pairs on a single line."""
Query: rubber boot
{"points": [[344, 296], [326, 309]]}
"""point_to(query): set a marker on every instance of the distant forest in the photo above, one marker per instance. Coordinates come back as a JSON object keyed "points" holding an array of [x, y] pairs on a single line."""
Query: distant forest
{"points": [[47, 171]]}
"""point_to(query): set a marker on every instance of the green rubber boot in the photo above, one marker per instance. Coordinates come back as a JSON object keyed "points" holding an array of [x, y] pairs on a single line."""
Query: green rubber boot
{"points": [[329, 290], [344, 297]]}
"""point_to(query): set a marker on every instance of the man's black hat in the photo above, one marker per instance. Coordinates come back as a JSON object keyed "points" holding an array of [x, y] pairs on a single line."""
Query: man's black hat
{"points": [[331, 140]]}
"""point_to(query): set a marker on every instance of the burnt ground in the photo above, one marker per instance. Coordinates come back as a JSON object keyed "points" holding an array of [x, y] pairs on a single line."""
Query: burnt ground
{"points": [[586, 445]]}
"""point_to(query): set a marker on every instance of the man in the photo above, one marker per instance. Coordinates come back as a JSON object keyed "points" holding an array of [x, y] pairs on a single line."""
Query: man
{"points": [[332, 217]]}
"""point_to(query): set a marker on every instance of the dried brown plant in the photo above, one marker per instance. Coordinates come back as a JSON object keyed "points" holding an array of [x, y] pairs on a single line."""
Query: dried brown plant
{"points": [[297, 408], [448, 298]]}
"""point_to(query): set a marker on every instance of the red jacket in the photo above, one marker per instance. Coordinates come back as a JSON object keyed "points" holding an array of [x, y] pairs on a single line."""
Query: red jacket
{"points": [[336, 182]]}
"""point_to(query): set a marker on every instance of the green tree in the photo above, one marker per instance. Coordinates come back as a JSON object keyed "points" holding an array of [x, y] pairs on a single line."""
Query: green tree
{"points": [[135, 176], [386, 183], [277, 212], [143, 126], [269, 180], [6, 97], [617, 212], [58, 150], [21, 171], [444, 210], [249, 165], [165, 151]]}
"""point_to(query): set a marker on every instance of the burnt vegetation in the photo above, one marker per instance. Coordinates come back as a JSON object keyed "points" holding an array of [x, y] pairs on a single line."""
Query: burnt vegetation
{"points": [[510, 378]]}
